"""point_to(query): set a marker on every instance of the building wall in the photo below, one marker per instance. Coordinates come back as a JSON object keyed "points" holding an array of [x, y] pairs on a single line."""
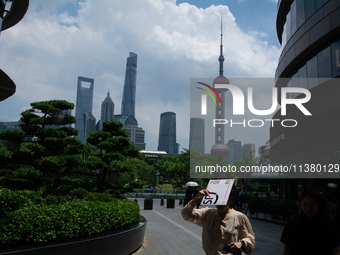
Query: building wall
{"points": [[249, 150], [90, 126], [310, 34], [12, 125], [197, 137], [236, 152]]}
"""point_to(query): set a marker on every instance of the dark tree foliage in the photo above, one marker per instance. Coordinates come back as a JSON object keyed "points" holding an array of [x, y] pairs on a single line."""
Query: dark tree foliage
{"points": [[46, 153], [111, 165]]}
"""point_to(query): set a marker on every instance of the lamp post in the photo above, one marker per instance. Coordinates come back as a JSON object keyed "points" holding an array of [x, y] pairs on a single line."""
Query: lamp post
{"points": [[156, 177]]}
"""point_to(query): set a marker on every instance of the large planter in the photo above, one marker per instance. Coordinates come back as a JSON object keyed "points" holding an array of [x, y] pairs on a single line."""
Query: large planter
{"points": [[148, 204], [170, 203], [121, 243]]}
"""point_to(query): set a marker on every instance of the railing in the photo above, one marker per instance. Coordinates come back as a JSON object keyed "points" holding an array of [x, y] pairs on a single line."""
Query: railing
{"points": [[156, 193]]}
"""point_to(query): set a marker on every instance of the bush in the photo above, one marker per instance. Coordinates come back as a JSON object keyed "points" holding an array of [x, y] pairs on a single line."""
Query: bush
{"points": [[78, 218], [13, 200]]}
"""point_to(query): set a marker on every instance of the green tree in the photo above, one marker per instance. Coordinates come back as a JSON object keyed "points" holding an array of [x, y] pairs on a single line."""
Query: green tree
{"points": [[175, 169], [110, 165], [49, 148], [144, 171]]}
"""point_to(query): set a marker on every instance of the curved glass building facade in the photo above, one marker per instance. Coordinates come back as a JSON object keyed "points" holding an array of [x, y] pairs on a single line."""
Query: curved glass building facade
{"points": [[309, 31]]}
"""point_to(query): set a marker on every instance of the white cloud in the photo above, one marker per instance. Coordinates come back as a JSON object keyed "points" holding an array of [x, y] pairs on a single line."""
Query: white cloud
{"points": [[46, 52]]}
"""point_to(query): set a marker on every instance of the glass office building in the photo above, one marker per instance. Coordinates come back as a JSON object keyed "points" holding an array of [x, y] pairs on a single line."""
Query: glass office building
{"points": [[86, 122], [167, 133], [309, 31]]}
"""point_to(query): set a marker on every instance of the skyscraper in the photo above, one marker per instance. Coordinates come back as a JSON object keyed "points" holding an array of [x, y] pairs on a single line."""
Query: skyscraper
{"points": [[129, 92], [107, 110], [85, 120], [196, 139], [249, 151], [236, 150], [309, 34], [167, 133], [220, 147]]}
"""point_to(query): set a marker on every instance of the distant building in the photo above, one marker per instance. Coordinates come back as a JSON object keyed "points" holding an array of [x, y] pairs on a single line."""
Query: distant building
{"points": [[197, 137], [90, 124], [12, 125], [177, 149], [309, 32], [107, 109], [167, 133], [86, 122], [249, 150], [129, 92], [136, 134], [236, 151]]}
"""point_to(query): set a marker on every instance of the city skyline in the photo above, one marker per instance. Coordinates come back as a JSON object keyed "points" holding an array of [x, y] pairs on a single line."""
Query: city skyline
{"points": [[57, 41]]}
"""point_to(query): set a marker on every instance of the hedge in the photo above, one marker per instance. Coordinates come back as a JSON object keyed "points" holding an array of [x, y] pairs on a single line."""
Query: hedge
{"points": [[40, 223]]}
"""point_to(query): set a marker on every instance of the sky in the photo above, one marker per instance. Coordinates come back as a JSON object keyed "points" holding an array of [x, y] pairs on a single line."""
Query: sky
{"points": [[59, 40]]}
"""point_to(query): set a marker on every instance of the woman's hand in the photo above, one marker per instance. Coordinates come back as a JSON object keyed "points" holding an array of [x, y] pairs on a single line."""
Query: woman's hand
{"points": [[235, 246], [200, 194]]}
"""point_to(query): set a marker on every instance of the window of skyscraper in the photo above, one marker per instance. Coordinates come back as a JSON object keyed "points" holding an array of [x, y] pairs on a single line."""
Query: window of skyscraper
{"points": [[324, 65], [320, 3], [309, 8], [312, 72], [300, 12], [293, 22], [302, 77], [335, 49]]}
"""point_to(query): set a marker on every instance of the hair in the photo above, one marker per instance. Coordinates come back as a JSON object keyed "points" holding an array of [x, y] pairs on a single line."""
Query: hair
{"points": [[325, 208], [231, 198]]}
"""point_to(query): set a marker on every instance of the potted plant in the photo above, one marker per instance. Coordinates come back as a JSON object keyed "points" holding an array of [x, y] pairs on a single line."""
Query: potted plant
{"points": [[170, 202], [148, 203]]}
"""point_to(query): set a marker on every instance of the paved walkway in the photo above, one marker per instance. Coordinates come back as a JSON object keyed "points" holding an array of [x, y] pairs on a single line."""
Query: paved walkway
{"points": [[167, 233]]}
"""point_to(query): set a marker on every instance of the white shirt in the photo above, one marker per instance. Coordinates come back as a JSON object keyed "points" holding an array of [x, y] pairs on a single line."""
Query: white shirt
{"points": [[217, 233]]}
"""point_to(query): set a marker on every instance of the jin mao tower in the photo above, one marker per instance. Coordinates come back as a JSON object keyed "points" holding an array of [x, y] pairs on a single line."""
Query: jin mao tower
{"points": [[107, 110]]}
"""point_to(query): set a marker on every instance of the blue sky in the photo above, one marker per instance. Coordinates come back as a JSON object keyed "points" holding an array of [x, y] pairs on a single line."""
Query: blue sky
{"points": [[59, 40]]}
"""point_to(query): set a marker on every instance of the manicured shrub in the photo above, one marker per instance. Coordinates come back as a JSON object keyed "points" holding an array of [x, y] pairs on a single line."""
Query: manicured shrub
{"points": [[78, 218], [11, 200]]}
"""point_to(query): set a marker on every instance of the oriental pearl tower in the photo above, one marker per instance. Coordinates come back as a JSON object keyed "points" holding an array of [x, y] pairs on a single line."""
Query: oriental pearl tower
{"points": [[220, 147]]}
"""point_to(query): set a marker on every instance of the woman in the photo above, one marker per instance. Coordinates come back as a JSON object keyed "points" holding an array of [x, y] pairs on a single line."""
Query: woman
{"points": [[312, 230], [224, 229]]}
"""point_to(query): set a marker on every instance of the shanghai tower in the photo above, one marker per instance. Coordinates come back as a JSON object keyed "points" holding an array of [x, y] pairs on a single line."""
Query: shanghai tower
{"points": [[129, 93]]}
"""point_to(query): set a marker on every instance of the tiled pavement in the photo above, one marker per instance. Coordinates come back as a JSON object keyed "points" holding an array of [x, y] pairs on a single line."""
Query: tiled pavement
{"points": [[167, 233]]}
